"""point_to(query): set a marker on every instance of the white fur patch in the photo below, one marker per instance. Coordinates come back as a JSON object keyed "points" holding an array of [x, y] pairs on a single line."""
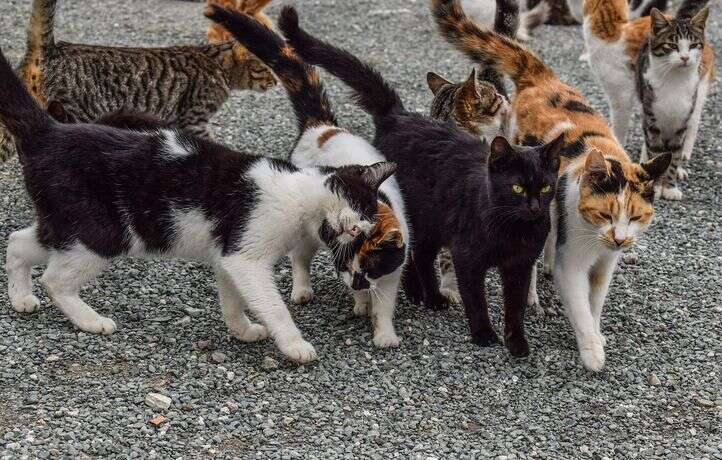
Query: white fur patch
{"points": [[174, 148], [193, 236]]}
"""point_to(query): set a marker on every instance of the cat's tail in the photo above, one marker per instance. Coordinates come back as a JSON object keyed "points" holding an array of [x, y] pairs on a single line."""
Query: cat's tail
{"points": [[372, 92], [41, 36], [532, 19], [689, 8], [19, 112], [302, 82], [489, 48]]}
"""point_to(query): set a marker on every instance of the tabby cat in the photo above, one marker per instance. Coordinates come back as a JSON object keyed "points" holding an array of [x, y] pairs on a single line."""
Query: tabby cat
{"points": [[371, 266], [671, 67], [163, 193], [185, 85], [603, 200], [457, 188]]}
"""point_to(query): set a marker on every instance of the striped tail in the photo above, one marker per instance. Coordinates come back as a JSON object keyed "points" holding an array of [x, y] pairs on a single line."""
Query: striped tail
{"points": [[372, 92], [41, 34], [488, 48], [302, 82]]}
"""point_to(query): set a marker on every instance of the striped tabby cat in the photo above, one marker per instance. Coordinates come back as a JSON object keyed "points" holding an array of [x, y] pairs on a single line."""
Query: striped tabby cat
{"points": [[184, 85]]}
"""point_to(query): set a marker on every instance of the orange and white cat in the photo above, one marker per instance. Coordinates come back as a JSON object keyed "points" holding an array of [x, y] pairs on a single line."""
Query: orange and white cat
{"points": [[603, 201]]}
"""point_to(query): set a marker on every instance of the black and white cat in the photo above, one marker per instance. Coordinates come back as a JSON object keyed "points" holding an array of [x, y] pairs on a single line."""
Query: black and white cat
{"points": [[370, 265], [101, 192]]}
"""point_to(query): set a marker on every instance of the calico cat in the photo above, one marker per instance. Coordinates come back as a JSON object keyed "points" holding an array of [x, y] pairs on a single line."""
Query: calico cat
{"points": [[371, 266], [185, 85], [603, 201], [669, 64], [163, 193], [488, 204], [485, 12]]}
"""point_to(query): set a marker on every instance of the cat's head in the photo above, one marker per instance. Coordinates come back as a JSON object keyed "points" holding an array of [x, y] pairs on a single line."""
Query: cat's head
{"points": [[353, 210], [522, 180], [381, 253], [617, 198], [474, 105], [678, 42]]}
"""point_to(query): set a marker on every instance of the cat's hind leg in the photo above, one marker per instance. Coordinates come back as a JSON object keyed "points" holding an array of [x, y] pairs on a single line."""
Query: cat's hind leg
{"points": [[254, 281], [301, 257], [23, 252], [449, 287], [383, 299], [67, 272], [233, 307]]}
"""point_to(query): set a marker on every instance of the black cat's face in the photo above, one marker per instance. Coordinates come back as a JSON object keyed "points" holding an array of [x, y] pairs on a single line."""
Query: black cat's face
{"points": [[523, 179]]}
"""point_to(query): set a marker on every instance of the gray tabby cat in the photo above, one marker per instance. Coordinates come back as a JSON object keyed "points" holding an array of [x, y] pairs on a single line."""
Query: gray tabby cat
{"points": [[183, 85], [674, 71], [478, 106]]}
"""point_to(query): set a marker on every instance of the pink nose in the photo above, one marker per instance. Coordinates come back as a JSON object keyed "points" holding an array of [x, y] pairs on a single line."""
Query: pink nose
{"points": [[684, 58], [354, 231], [619, 242]]}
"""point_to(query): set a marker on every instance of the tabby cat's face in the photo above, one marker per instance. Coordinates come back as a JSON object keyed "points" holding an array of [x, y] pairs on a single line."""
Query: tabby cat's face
{"points": [[473, 105], [678, 42], [616, 199]]}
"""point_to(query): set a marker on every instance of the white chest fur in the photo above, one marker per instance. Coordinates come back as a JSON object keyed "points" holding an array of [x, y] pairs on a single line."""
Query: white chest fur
{"points": [[674, 96]]}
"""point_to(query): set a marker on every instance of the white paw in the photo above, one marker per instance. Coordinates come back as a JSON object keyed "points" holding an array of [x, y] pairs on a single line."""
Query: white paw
{"points": [[682, 173], [299, 351], [593, 357], [253, 333], [451, 293], [361, 308], [100, 325], [386, 339], [27, 304], [584, 57], [603, 340], [532, 299], [301, 295], [671, 193], [547, 268]]}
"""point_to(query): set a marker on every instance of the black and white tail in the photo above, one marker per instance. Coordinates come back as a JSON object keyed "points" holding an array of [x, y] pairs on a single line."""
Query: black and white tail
{"points": [[19, 112], [302, 82], [372, 92]]}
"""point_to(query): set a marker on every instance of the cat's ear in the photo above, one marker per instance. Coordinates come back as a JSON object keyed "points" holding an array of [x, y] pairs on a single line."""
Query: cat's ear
{"points": [[436, 82], [699, 20], [375, 174], [552, 151], [470, 90], [500, 151], [657, 165], [659, 21], [595, 166]]}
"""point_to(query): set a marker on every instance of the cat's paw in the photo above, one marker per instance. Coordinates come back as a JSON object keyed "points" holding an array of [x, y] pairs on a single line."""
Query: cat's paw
{"points": [[361, 307], [298, 350], [27, 304], [518, 346], [603, 340], [532, 299], [451, 293], [584, 57], [593, 357], [671, 193], [386, 339], [485, 338], [437, 302], [252, 333], [548, 268], [301, 295], [682, 173], [99, 325]]}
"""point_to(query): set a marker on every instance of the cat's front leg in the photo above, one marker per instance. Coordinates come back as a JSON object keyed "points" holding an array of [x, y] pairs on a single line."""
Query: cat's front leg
{"points": [[516, 280], [472, 279], [233, 307], [572, 283], [361, 302], [670, 189], [254, 281], [411, 283], [383, 298], [600, 276], [449, 286], [301, 257]]}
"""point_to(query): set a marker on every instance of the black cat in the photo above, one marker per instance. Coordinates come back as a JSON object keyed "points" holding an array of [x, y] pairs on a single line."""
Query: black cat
{"points": [[489, 205]]}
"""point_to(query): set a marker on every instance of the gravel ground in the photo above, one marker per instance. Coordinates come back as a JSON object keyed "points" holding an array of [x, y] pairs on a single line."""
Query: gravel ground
{"points": [[67, 393]]}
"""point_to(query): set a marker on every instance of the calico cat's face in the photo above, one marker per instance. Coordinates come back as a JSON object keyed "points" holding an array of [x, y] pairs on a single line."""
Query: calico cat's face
{"points": [[523, 179], [678, 42], [380, 254], [616, 199], [473, 105], [353, 212]]}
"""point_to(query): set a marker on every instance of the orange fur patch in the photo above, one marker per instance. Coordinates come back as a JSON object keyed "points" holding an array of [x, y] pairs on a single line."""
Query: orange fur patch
{"points": [[387, 229], [326, 135], [606, 18]]}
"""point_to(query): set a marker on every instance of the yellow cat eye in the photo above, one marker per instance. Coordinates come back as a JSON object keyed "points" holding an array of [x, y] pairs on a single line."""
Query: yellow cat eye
{"points": [[516, 188], [546, 189]]}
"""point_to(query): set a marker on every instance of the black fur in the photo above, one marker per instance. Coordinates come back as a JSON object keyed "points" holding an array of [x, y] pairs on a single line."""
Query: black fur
{"points": [[688, 8], [459, 195], [561, 210]]}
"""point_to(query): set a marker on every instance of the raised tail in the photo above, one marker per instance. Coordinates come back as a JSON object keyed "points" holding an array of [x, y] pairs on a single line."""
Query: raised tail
{"points": [[689, 8], [372, 92], [41, 34], [302, 82], [488, 48], [19, 112]]}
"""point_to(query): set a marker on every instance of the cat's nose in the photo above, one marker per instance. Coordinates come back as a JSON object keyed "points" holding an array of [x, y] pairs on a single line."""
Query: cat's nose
{"points": [[534, 205], [684, 58], [619, 242], [354, 231]]}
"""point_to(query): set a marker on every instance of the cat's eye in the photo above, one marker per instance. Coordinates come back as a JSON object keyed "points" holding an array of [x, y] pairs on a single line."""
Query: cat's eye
{"points": [[693, 46], [516, 188], [634, 218], [672, 46], [546, 189], [605, 216]]}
